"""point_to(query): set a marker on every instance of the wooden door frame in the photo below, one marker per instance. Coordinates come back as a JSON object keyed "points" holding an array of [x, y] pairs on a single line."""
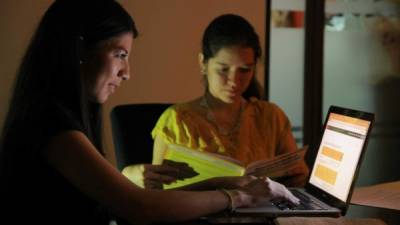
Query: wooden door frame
{"points": [[313, 71]]}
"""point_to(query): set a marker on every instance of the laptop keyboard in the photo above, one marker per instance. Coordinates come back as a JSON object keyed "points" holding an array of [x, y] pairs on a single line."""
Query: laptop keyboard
{"points": [[306, 203]]}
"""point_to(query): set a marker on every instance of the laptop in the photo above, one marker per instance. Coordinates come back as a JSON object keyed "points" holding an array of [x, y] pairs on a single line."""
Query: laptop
{"points": [[330, 184]]}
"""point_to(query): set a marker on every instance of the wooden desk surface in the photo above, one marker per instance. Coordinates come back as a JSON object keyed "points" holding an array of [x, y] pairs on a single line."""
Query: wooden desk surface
{"points": [[386, 195], [327, 221], [292, 221]]}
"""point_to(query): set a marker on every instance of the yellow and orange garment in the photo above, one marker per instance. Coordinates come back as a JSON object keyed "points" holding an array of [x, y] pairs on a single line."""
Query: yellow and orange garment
{"points": [[262, 127]]}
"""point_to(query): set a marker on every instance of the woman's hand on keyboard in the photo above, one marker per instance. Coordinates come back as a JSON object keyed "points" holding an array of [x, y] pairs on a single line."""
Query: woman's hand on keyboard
{"points": [[263, 189], [279, 191]]}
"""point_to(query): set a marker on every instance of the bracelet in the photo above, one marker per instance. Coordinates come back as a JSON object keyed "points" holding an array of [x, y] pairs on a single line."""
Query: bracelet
{"points": [[227, 193]]}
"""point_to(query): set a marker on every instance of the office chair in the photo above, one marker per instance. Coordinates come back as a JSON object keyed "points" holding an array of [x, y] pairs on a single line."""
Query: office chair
{"points": [[131, 130]]}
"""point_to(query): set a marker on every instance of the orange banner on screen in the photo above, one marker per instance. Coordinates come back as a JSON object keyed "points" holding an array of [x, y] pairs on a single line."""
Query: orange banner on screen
{"points": [[326, 174], [332, 153], [351, 120]]}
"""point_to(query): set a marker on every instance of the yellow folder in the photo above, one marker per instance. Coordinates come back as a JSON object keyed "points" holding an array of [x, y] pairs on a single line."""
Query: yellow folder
{"points": [[207, 165]]}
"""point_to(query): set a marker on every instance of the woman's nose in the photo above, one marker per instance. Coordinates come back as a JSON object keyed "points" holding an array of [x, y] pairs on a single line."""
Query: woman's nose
{"points": [[125, 76], [125, 73], [233, 78]]}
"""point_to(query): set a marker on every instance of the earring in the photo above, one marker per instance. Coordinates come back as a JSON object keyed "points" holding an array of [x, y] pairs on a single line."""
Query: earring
{"points": [[80, 46]]}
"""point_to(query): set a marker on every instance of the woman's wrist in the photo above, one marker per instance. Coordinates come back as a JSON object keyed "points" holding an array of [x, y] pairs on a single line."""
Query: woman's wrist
{"points": [[234, 199], [218, 183], [223, 182]]}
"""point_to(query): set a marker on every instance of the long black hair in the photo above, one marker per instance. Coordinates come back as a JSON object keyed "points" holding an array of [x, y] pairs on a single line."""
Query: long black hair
{"points": [[50, 68], [233, 30]]}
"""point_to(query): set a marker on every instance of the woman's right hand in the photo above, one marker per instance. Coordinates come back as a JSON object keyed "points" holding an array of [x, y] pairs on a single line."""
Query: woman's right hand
{"points": [[154, 176], [263, 189]]}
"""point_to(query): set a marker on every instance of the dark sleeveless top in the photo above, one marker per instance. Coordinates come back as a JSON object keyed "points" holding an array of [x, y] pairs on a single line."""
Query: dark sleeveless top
{"points": [[32, 191]]}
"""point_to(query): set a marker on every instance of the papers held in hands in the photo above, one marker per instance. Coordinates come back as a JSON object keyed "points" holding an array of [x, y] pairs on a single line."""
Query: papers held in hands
{"points": [[184, 170], [208, 165]]}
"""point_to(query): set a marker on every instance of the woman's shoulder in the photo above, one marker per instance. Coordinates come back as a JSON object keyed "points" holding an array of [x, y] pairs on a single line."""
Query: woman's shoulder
{"points": [[175, 117], [56, 115], [269, 111], [178, 112], [187, 108]]}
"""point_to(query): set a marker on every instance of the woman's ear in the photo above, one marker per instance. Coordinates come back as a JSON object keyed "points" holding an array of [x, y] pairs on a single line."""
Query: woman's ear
{"points": [[202, 63]]}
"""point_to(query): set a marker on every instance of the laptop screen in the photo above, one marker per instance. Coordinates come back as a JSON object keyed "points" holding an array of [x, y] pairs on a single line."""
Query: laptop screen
{"points": [[339, 154]]}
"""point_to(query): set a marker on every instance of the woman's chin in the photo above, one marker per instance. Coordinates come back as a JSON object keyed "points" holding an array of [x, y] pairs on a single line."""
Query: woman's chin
{"points": [[232, 98], [101, 99]]}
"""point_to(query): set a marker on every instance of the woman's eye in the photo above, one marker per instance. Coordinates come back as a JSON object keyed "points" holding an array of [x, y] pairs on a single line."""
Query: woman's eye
{"points": [[245, 70], [223, 70], [122, 55]]}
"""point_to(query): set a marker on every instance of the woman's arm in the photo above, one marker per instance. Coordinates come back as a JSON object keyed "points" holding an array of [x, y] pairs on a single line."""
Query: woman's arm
{"points": [[74, 156], [231, 182]]}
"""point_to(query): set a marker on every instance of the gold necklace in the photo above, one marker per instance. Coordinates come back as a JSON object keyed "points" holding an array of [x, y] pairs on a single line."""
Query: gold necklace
{"points": [[211, 117]]}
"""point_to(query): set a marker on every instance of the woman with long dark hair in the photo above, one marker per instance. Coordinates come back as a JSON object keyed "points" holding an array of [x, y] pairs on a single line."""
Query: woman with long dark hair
{"points": [[53, 169]]}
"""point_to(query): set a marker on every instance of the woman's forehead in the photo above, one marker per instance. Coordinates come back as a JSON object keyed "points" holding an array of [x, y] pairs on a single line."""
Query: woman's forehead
{"points": [[123, 41], [239, 54]]}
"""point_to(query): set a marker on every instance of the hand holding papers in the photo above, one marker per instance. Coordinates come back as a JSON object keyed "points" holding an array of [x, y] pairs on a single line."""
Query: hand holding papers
{"points": [[184, 171], [209, 165], [155, 175]]}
